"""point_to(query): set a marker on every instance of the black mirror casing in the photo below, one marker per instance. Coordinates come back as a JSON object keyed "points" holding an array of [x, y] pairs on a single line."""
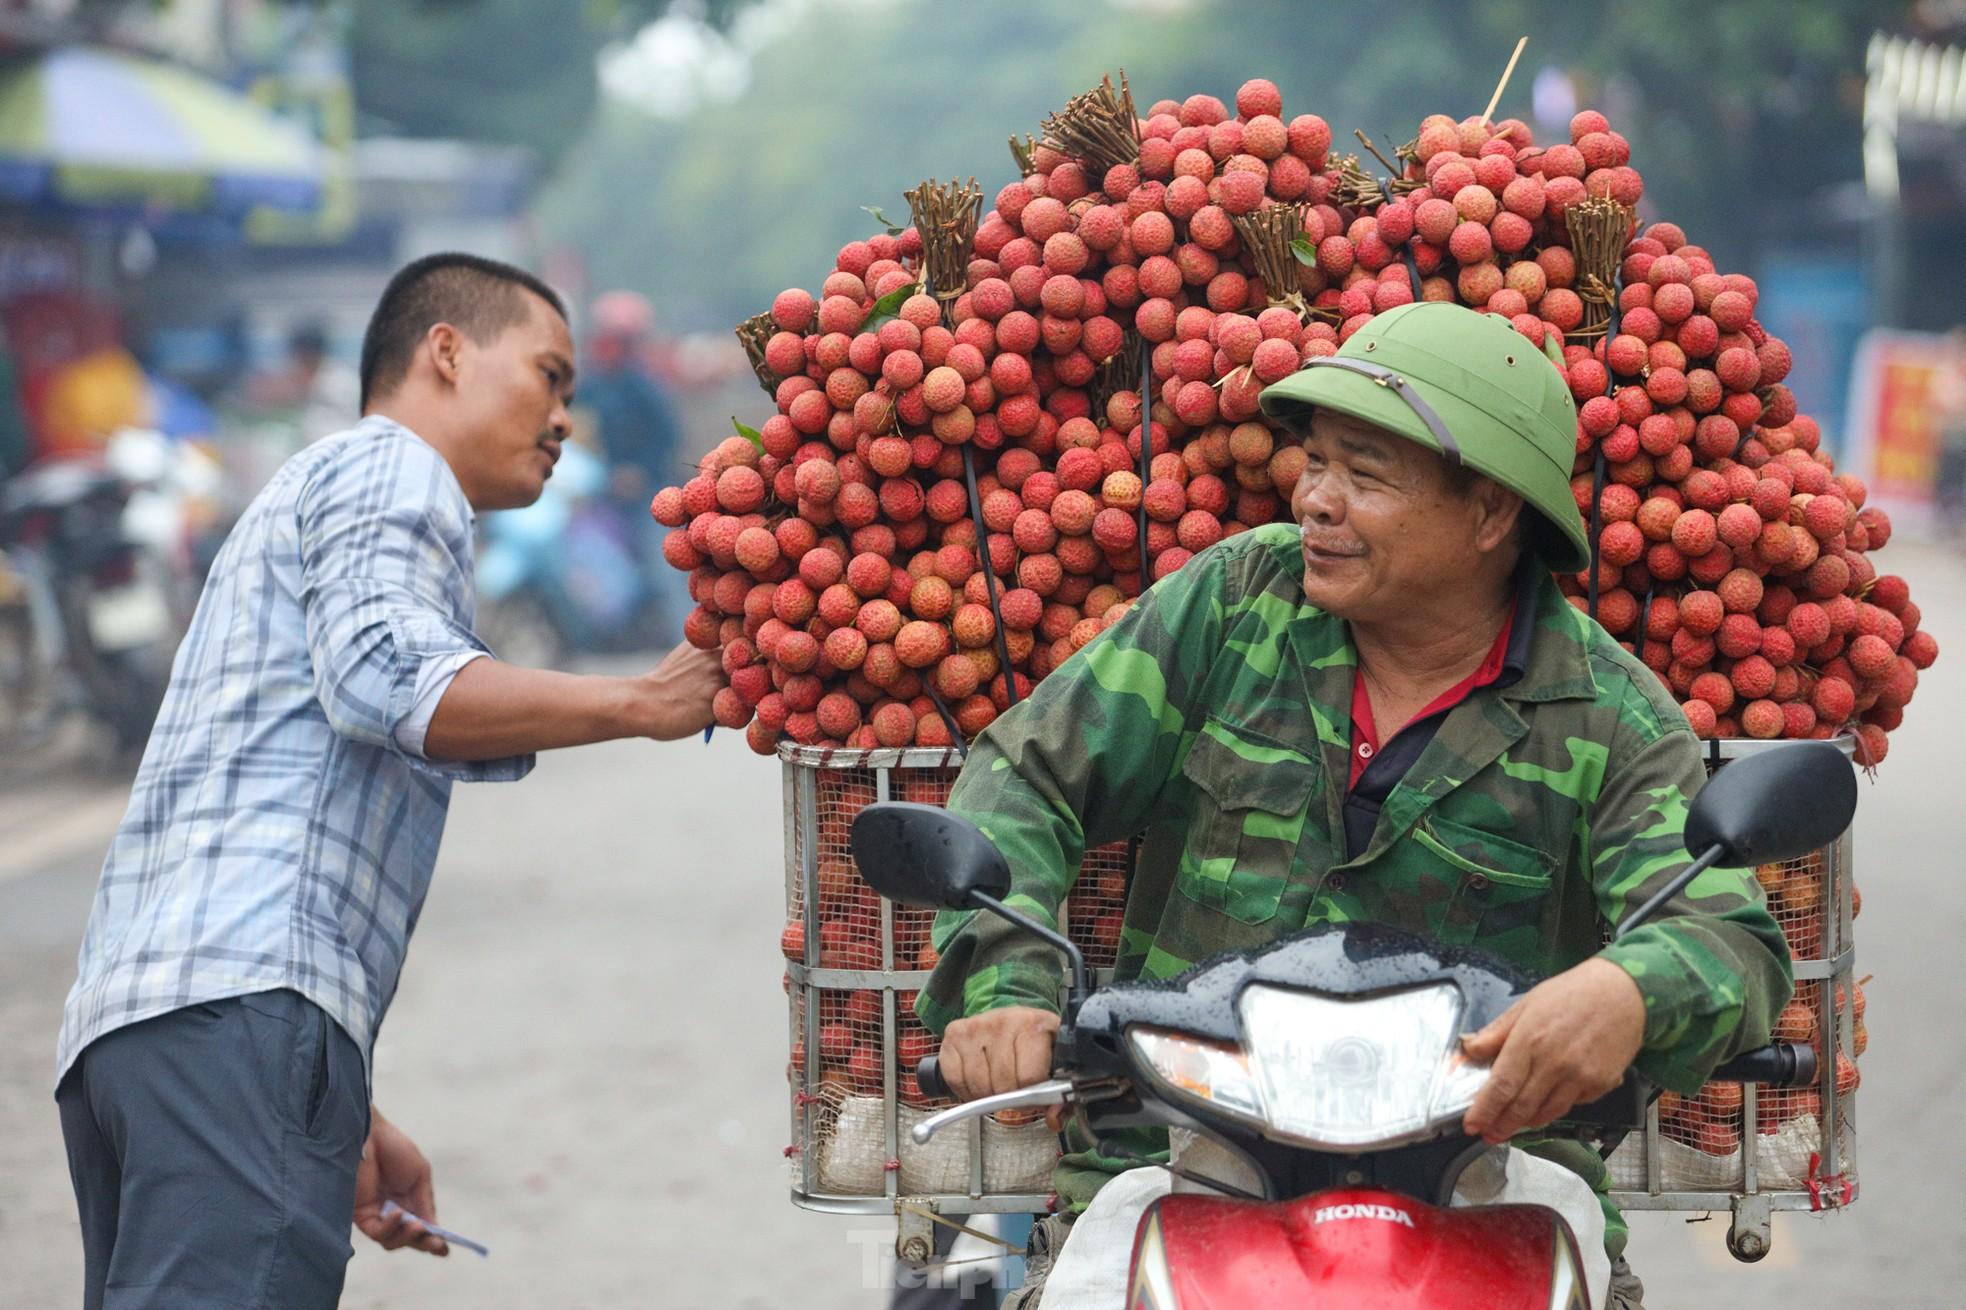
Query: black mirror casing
{"points": [[1780, 803], [922, 855]]}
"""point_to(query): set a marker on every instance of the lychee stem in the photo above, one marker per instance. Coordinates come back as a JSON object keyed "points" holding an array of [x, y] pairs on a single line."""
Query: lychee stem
{"points": [[1355, 187], [1397, 180], [1116, 373], [752, 334], [1366, 141], [1020, 153]]}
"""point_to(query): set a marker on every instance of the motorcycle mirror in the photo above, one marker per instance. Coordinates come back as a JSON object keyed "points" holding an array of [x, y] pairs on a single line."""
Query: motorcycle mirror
{"points": [[922, 855], [1779, 803]]}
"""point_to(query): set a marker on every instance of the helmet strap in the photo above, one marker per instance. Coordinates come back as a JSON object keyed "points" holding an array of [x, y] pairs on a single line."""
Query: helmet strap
{"points": [[1393, 382]]}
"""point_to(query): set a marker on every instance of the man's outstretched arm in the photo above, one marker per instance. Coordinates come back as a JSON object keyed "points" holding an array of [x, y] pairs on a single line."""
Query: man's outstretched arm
{"points": [[385, 584], [493, 710]]}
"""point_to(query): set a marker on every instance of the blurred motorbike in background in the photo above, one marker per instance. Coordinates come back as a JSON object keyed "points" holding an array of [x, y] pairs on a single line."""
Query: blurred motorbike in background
{"points": [[101, 559], [566, 575]]}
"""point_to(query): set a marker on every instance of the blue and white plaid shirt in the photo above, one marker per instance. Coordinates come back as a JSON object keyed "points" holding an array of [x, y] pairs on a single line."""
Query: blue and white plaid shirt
{"points": [[280, 832]]}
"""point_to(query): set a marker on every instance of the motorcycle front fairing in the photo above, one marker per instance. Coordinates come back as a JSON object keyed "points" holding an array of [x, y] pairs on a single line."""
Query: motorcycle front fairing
{"points": [[1355, 1249], [1346, 963]]}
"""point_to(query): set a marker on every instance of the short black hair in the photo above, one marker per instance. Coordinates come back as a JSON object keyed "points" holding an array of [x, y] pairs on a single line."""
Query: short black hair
{"points": [[479, 297]]}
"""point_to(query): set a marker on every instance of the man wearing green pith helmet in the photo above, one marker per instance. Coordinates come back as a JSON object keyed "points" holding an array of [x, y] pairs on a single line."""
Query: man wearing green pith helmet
{"points": [[1386, 712]]}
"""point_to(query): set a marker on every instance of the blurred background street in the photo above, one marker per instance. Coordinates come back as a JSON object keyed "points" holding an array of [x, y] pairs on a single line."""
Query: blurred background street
{"points": [[199, 203]]}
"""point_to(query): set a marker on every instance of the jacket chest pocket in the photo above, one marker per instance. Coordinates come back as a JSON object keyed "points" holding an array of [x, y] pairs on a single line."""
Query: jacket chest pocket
{"points": [[1252, 795], [1502, 888]]}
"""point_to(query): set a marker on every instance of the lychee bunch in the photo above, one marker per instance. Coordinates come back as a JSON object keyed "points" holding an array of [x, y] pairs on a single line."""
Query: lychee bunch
{"points": [[843, 548], [1734, 558], [881, 387]]}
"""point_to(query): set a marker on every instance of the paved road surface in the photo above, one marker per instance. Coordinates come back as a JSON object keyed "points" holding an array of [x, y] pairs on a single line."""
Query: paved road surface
{"points": [[590, 1037]]}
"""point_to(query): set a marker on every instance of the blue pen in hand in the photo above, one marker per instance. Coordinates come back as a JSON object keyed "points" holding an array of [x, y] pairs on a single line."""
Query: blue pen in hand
{"points": [[706, 733]]}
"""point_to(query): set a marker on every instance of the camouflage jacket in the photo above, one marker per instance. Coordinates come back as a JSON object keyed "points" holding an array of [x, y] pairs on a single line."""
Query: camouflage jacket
{"points": [[1214, 719]]}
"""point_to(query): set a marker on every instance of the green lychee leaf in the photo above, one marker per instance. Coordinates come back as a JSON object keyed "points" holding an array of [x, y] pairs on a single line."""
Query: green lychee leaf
{"points": [[882, 219], [749, 433], [1304, 249], [888, 307]]}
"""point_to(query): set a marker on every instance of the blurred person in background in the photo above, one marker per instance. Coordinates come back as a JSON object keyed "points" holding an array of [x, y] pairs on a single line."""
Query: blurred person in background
{"points": [[17, 640], [639, 431], [1949, 405], [317, 390], [273, 410], [636, 418], [16, 438]]}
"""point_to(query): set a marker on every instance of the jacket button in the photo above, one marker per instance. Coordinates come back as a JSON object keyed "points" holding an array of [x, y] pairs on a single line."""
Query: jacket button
{"points": [[1478, 883], [1336, 882]]}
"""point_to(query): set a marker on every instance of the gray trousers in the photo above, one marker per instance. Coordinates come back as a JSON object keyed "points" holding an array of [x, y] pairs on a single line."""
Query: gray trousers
{"points": [[1627, 1292], [213, 1152]]}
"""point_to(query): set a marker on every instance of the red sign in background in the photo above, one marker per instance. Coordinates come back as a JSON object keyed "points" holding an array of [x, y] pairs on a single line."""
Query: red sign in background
{"points": [[1895, 412]]}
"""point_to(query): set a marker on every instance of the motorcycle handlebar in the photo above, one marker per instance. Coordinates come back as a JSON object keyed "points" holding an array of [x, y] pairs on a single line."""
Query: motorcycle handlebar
{"points": [[1780, 1064], [928, 1074]]}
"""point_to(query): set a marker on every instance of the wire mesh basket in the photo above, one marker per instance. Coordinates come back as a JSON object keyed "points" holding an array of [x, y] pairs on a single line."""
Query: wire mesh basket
{"points": [[1753, 1150], [854, 964]]}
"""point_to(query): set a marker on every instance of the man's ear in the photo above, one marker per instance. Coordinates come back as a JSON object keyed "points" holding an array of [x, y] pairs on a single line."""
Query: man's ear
{"points": [[1500, 511], [445, 345]]}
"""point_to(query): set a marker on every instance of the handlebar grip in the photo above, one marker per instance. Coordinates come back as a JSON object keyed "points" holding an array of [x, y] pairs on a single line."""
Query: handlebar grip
{"points": [[929, 1075], [1780, 1064]]}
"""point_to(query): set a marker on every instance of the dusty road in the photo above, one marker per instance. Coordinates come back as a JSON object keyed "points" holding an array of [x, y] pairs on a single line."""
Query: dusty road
{"points": [[590, 1037]]}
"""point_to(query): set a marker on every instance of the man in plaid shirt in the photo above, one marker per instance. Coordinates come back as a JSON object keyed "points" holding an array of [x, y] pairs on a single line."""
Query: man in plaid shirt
{"points": [[254, 910]]}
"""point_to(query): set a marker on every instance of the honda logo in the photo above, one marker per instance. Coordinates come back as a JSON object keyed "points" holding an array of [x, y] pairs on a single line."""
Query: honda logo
{"points": [[1385, 1213]]}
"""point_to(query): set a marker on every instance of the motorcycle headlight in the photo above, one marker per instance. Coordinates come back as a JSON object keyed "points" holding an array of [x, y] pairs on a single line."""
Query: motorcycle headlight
{"points": [[1216, 1073], [1327, 1071], [1341, 1073]]}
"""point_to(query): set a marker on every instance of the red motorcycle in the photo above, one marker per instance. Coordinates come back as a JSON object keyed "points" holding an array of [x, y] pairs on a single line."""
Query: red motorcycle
{"points": [[1330, 1062]]}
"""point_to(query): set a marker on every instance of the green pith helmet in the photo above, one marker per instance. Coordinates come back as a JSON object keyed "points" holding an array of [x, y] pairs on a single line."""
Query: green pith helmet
{"points": [[1467, 385]]}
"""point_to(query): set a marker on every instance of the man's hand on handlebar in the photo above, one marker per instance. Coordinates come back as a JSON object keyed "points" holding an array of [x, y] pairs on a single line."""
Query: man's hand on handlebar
{"points": [[1566, 1043], [998, 1051]]}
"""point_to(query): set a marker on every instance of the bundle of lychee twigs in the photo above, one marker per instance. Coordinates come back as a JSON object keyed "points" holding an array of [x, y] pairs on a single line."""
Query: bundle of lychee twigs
{"points": [[1098, 127], [1599, 228], [945, 215], [1270, 235]]}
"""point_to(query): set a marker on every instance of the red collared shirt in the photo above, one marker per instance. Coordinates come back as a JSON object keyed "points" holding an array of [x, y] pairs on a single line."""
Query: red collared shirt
{"points": [[1365, 734]]}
